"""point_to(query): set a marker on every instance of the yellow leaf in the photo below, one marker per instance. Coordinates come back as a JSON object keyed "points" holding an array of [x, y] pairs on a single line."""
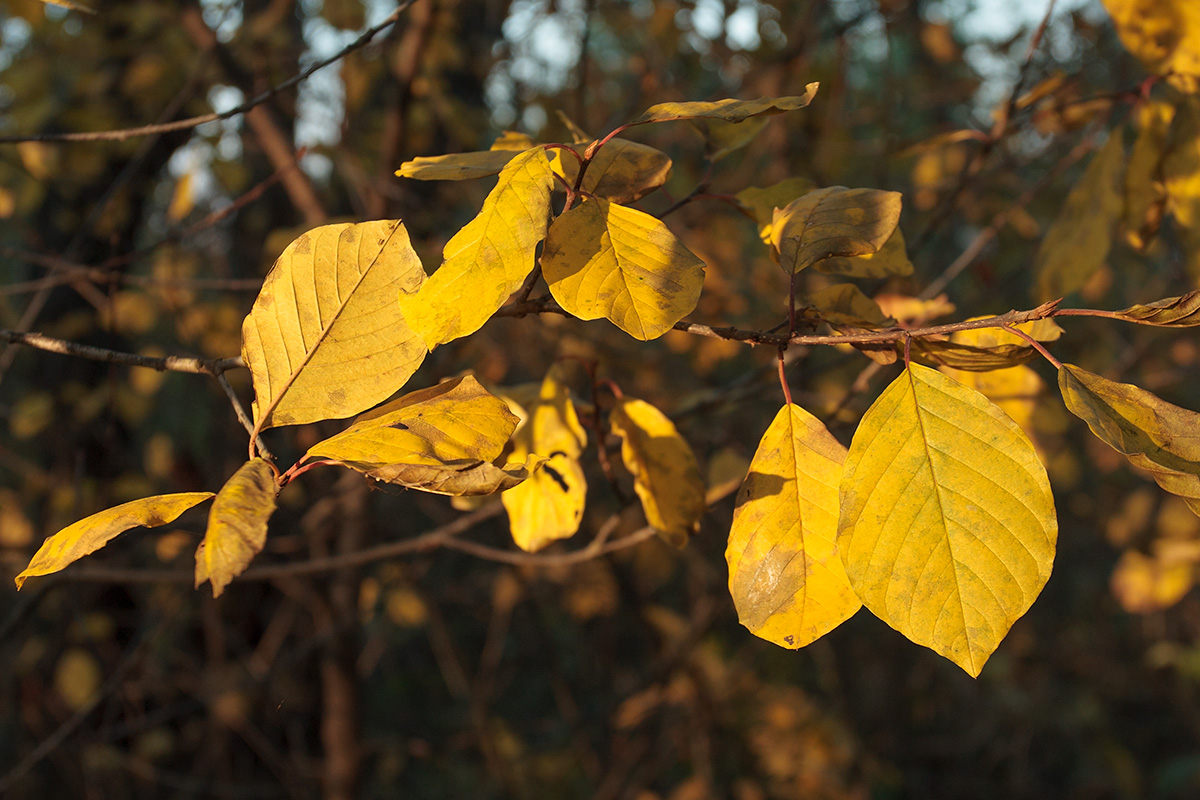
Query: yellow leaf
{"points": [[728, 110], [913, 311], [622, 171], [891, 260], [548, 506], [845, 304], [834, 221], [325, 338], [786, 578], [666, 476], [969, 357], [514, 142], [183, 199], [1078, 242], [578, 135], [760, 203], [457, 166], [237, 525], [947, 524], [1164, 35], [487, 260], [1144, 191], [1173, 312], [440, 439], [77, 678], [1143, 585], [606, 260], [90, 534], [722, 138], [1153, 434]]}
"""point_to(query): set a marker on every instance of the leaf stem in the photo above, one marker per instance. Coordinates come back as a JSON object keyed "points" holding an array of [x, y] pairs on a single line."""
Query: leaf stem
{"points": [[1035, 344], [787, 391]]}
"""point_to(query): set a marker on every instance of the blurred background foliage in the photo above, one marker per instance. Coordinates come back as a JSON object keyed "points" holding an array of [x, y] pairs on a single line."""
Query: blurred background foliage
{"points": [[441, 675]]}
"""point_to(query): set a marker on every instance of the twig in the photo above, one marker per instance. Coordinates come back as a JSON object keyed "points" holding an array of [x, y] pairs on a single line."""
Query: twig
{"points": [[1035, 344], [199, 366], [192, 122]]}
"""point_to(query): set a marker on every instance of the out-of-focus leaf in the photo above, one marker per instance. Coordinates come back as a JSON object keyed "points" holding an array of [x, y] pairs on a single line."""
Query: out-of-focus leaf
{"points": [[729, 110], [548, 506], [760, 203], [666, 475], [325, 338], [787, 581], [722, 138], [1164, 35], [1078, 242], [1173, 312], [487, 260], [183, 198], [1145, 195], [91, 533], [602, 259], [237, 525], [845, 304], [622, 171], [1143, 585], [578, 135], [891, 260], [947, 526], [1014, 389], [913, 311], [457, 166], [514, 142], [834, 221]]}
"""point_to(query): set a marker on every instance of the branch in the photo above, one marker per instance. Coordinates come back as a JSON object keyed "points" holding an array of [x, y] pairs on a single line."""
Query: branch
{"points": [[183, 124], [199, 366]]}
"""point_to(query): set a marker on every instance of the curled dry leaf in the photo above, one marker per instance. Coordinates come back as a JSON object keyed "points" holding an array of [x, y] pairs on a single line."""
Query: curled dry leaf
{"points": [[237, 525], [1173, 312], [729, 110], [91, 533]]}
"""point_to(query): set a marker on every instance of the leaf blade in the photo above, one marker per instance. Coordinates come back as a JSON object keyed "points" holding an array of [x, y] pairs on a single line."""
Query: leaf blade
{"points": [[729, 109], [834, 221], [237, 525]]}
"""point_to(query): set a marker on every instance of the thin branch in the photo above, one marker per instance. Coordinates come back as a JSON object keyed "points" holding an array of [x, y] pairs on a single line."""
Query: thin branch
{"points": [[1035, 344], [192, 122], [242, 416], [199, 366]]}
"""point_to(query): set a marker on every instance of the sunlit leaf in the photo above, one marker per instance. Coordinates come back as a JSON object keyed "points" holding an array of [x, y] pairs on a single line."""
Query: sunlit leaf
{"points": [[487, 260], [666, 476], [237, 525], [325, 338], [441, 439], [622, 171], [728, 110], [845, 304], [1173, 312], [786, 578], [602, 259], [834, 221], [1164, 35], [1077, 244], [91, 533], [1145, 195], [548, 506], [1144, 585], [947, 522], [457, 166], [760, 203], [514, 142], [1155, 435], [891, 260]]}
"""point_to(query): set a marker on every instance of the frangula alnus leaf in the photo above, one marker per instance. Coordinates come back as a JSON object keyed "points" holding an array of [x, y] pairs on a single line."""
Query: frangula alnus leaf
{"points": [[947, 525], [91, 533], [325, 338], [760, 202], [1173, 312], [487, 260], [602, 259], [834, 221], [1164, 35], [237, 525], [785, 575], [456, 166], [622, 171], [548, 506], [666, 476], [891, 260], [729, 110]]}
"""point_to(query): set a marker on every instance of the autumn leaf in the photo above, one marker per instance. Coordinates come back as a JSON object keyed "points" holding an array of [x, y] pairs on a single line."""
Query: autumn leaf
{"points": [[947, 522], [845, 304], [891, 260], [1164, 35], [602, 259], [721, 138], [237, 525], [325, 338], [785, 575], [456, 166], [1173, 312], [729, 110], [760, 203], [969, 357], [1143, 585], [665, 474], [834, 221], [487, 260], [91, 533], [440, 439], [1014, 389], [548, 506], [622, 171], [1145, 195], [1077, 244]]}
